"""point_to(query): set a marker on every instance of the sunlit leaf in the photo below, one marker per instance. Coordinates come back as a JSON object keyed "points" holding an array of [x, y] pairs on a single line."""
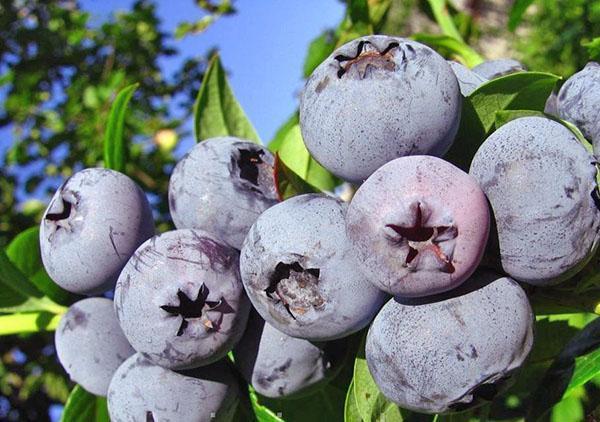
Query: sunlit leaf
{"points": [[114, 144], [32, 322], [85, 407], [217, 112], [451, 45]]}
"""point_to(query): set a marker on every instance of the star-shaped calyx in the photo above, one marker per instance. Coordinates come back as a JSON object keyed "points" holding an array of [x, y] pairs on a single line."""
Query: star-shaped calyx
{"points": [[367, 56], [422, 238], [191, 309], [252, 171]]}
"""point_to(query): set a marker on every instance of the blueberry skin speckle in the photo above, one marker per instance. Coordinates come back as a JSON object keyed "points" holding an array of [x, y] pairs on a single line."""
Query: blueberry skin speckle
{"points": [[540, 181], [90, 344], [371, 101], [452, 351], [300, 275], [579, 102], [142, 391], [180, 300], [94, 222], [222, 185]]}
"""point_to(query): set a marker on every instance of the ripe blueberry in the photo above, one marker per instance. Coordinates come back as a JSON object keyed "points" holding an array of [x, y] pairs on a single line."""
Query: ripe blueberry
{"points": [[418, 226], [541, 184], [94, 222], [90, 344], [180, 300], [299, 273], [371, 101], [449, 352], [142, 391], [278, 365], [221, 186]]}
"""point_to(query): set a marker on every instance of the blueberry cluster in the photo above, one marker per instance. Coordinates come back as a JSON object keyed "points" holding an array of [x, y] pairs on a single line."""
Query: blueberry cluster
{"points": [[284, 283]]}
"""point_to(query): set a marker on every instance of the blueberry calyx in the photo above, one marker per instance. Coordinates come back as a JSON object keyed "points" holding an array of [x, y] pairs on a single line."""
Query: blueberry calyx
{"points": [[295, 287], [190, 309], [367, 56], [421, 238]]}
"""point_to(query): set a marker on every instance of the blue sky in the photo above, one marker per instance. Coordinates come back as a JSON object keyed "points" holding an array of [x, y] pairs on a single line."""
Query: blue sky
{"points": [[262, 46]]}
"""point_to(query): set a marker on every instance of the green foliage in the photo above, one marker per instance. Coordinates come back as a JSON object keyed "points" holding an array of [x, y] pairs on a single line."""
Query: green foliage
{"points": [[58, 104], [115, 151], [85, 407], [217, 112]]}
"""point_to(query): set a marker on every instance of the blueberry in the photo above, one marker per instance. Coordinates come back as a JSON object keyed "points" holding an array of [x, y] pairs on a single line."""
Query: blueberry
{"points": [[94, 222], [371, 101], [222, 185], [579, 101], [90, 344], [142, 391], [278, 365], [541, 184], [299, 273], [418, 226], [452, 351], [468, 80], [492, 69], [180, 300]]}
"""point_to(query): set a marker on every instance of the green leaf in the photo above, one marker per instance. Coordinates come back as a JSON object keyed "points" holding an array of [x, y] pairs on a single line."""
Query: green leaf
{"points": [[114, 145], [84, 407], [356, 23], [505, 116], [296, 157], [448, 45], [351, 413], [194, 28], [371, 403], [569, 409], [318, 50], [216, 111], [517, 11], [262, 413], [24, 252], [32, 322], [593, 48], [288, 182], [282, 132], [443, 18], [577, 363], [517, 91], [19, 294], [377, 11]]}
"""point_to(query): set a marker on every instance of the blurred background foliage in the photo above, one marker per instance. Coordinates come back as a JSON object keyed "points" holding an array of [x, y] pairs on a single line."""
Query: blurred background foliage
{"points": [[59, 74]]}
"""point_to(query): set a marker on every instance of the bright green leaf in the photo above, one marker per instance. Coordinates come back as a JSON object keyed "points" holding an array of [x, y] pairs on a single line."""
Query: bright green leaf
{"points": [[85, 407], [296, 157], [114, 145], [505, 116], [371, 403], [517, 11], [318, 50], [351, 413], [24, 252], [443, 18], [28, 323], [593, 48], [282, 132], [452, 46], [217, 112], [377, 12], [262, 413], [18, 294]]}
